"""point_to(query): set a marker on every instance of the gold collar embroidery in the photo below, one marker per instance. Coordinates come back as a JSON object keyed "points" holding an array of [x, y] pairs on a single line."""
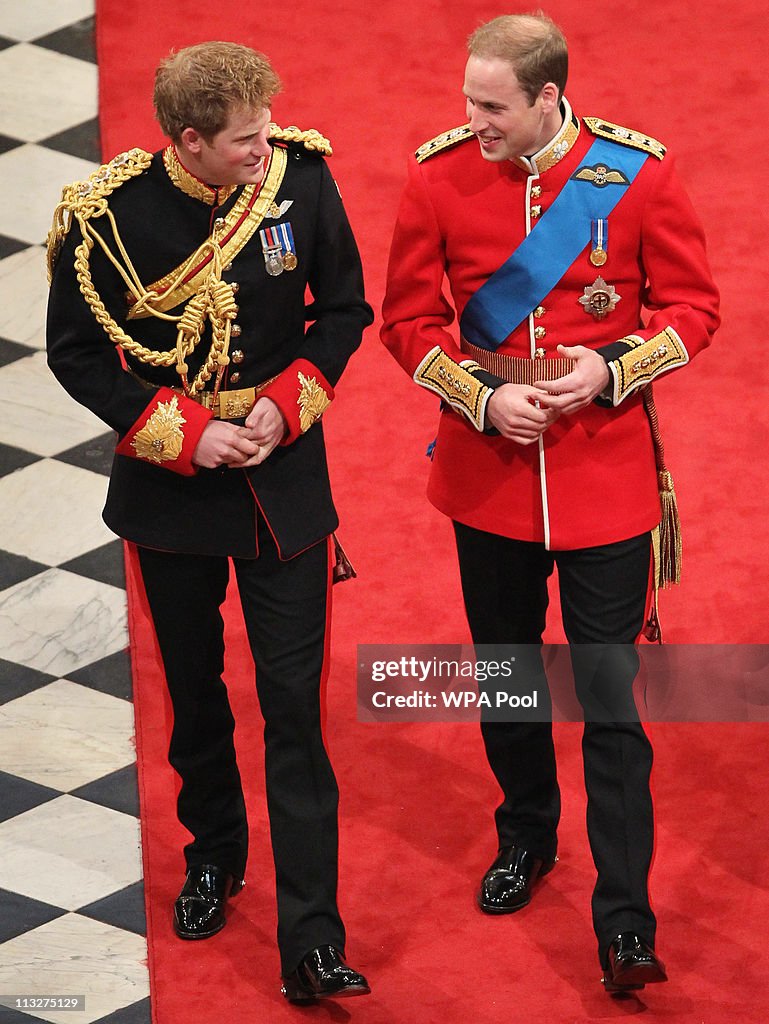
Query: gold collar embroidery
{"points": [[192, 186], [557, 148]]}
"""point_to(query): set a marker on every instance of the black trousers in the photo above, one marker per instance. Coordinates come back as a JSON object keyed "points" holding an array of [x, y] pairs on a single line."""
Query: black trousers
{"points": [[286, 608], [603, 594]]}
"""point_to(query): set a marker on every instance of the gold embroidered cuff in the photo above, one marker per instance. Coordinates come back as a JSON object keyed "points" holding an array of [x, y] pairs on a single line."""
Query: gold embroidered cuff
{"points": [[312, 401], [454, 384], [645, 361], [161, 438]]}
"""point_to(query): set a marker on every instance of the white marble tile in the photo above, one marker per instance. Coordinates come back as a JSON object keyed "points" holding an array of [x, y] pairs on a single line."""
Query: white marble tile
{"points": [[35, 18], [48, 92], [24, 287], [76, 956], [38, 414], [34, 176], [58, 621], [51, 512], [69, 852], [65, 735]]}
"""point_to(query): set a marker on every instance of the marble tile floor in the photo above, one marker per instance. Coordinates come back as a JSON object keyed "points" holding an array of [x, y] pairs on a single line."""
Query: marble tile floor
{"points": [[71, 893]]}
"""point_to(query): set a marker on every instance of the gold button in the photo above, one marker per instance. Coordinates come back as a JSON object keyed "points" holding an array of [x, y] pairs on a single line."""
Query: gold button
{"points": [[539, 333], [235, 287], [236, 330], [237, 356], [539, 311], [234, 377], [539, 353], [536, 211], [536, 191]]}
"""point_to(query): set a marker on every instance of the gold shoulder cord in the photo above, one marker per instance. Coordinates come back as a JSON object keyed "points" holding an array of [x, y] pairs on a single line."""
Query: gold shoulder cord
{"points": [[214, 299]]}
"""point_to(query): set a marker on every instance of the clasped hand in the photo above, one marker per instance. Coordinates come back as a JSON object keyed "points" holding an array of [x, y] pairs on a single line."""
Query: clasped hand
{"points": [[225, 444], [522, 413]]}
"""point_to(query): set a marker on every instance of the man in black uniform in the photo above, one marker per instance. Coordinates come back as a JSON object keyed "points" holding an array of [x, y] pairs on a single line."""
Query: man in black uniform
{"points": [[177, 315]]}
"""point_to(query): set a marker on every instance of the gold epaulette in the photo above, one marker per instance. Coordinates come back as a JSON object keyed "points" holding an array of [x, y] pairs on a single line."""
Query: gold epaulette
{"points": [[310, 139], [442, 142], [626, 136], [86, 199]]}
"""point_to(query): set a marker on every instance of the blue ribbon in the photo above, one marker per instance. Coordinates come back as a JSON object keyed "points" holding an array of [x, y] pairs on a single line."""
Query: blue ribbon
{"points": [[544, 256]]}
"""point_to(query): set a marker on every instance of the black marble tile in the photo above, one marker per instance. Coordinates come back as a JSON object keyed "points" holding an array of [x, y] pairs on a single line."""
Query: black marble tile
{"points": [[109, 675], [10, 1016], [16, 680], [81, 140], [76, 40], [7, 143], [105, 564], [19, 795], [19, 914], [10, 351], [15, 568], [134, 1013], [118, 790], [14, 458], [95, 454], [123, 909]]}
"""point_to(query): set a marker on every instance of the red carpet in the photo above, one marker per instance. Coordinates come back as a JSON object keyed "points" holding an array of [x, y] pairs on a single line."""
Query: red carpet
{"points": [[416, 800]]}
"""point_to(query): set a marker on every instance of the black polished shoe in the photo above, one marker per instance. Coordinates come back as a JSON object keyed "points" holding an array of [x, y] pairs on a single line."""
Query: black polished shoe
{"points": [[507, 885], [199, 908], [323, 974], [631, 964]]}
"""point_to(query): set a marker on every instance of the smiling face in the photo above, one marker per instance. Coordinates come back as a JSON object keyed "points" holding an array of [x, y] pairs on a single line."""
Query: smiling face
{"points": [[235, 156], [506, 124]]}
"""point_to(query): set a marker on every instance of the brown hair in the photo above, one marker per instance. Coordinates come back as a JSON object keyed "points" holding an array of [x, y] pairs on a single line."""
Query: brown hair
{"points": [[532, 43], [200, 86]]}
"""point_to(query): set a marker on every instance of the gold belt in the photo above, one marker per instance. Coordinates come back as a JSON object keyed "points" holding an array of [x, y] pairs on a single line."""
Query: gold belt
{"points": [[515, 369], [230, 405]]}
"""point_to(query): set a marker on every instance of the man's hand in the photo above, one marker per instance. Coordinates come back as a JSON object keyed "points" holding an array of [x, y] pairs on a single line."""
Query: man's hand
{"points": [[580, 386], [265, 427], [512, 409], [223, 443]]}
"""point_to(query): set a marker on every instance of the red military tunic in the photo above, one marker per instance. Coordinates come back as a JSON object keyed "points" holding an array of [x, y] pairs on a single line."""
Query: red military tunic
{"points": [[592, 477]]}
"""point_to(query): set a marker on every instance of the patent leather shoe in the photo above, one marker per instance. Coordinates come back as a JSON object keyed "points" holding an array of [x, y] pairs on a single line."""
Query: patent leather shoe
{"points": [[199, 910], [507, 885], [323, 974], [631, 964]]}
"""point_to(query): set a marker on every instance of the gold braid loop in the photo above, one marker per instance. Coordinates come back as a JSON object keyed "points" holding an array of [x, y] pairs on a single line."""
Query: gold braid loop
{"points": [[215, 301]]}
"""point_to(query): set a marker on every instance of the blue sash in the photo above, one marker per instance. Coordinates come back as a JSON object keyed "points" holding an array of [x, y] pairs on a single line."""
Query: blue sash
{"points": [[544, 256]]}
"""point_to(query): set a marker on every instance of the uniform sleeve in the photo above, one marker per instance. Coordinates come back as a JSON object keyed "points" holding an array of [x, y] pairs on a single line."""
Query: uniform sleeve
{"points": [[417, 313], [337, 314], [155, 425], [680, 293]]}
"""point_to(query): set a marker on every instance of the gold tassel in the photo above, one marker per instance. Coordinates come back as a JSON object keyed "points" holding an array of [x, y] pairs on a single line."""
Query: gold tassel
{"points": [[669, 569]]}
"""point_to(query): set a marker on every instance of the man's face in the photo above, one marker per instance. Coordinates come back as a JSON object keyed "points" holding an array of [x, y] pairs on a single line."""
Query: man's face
{"points": [[500, 114], [235, 155]]}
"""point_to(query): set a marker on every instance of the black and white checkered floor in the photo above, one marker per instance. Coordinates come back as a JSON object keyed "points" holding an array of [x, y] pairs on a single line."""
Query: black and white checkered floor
{"points": [[71, 895]]}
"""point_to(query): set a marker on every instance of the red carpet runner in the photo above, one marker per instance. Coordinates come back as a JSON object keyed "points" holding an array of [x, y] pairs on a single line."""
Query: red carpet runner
{"points": [[416, 805]]}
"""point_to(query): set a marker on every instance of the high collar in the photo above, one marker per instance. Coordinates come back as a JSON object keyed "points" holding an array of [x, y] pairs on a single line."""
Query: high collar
{"points": [[190, 185], [557, 148]]}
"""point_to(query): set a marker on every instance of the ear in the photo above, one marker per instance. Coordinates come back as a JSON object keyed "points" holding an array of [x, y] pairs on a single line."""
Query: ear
{"points": [[192, 141], [548, 97]]}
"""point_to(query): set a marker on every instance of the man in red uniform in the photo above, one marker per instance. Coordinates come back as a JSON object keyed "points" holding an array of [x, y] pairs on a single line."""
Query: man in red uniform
{"points": [[553, 232]]}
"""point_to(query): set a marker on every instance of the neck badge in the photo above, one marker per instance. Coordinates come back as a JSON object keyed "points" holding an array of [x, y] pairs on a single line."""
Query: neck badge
{"points": [[599, 298]]}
